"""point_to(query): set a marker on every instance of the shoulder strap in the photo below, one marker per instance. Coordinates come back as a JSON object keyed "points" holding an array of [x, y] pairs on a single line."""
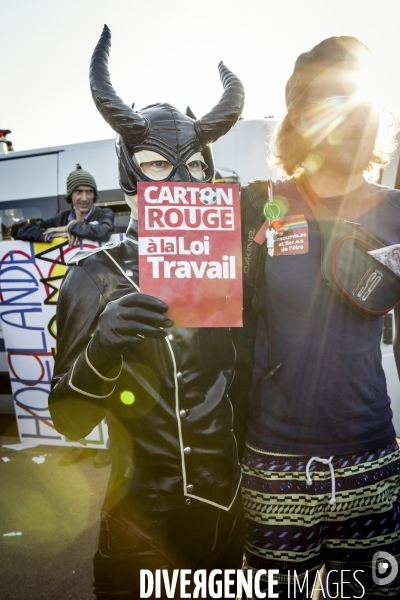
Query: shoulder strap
{"points": [[252, 219], [308, 193], [253, 199]]}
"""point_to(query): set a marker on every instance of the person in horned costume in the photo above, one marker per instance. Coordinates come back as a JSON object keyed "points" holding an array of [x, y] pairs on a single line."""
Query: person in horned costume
{"points": [[172, 500]]}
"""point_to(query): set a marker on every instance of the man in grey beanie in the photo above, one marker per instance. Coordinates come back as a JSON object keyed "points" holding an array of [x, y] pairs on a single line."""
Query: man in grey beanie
{"points": [[83, 221]]}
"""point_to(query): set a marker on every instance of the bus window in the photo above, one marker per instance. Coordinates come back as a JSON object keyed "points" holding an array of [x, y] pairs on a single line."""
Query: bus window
{"points": [[14, 211]]}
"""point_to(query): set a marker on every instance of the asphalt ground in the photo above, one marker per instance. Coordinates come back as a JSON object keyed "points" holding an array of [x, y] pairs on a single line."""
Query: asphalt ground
{"points": [[57, 510]]}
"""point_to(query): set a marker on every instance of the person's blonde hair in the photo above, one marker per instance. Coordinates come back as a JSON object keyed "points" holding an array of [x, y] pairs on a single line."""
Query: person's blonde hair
{"points": [[291, 150]]}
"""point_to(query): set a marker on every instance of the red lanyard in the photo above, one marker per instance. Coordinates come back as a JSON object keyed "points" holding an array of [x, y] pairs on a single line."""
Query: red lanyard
{"points": [[308, 194]]}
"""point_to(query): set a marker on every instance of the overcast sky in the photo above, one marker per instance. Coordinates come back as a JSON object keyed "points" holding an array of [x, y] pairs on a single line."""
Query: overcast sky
{"points": [[169, 51]]}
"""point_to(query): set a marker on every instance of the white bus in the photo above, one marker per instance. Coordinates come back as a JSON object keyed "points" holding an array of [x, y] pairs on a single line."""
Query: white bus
{"points": [[33, 185]]}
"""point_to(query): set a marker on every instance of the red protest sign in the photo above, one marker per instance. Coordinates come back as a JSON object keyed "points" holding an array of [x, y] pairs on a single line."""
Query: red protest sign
{"points": [[190, 251]]}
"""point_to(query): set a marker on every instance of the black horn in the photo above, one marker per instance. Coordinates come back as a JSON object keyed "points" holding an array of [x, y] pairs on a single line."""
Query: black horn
{"points": [[125, 121], [190, 113], [228, 110]]}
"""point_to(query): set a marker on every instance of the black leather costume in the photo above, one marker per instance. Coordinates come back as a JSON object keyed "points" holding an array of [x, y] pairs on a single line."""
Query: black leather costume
{"points": [[175, 469], [172, 499], [177, 435]]}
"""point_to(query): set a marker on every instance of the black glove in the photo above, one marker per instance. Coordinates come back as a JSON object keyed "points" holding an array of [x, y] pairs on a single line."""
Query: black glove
{"points": [[126, 322]]}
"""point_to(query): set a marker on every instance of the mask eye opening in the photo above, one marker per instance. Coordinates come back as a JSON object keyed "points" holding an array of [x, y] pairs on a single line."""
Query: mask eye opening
{"points": [[152, 165]]}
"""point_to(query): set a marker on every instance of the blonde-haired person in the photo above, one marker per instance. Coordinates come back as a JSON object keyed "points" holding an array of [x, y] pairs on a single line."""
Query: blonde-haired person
{"points": [[321, 464]]}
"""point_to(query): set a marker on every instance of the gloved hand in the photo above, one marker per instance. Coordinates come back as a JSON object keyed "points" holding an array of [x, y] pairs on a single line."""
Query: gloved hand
{"points": [[125, 323]]}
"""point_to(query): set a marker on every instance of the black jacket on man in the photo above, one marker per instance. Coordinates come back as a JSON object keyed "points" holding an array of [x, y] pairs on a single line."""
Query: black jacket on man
{"points": [[98, 226]]}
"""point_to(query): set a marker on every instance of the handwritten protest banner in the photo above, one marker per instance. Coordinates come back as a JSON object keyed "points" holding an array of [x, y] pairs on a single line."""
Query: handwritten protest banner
{"points": [[30, 279], [190, 251]]}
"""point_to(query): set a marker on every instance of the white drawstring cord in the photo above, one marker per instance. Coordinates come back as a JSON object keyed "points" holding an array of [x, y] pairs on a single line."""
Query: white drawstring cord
{"points": [[324, 461]]}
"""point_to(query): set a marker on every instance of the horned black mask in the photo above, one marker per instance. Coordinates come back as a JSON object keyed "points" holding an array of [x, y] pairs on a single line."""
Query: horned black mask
{"points": [[162, 128]]}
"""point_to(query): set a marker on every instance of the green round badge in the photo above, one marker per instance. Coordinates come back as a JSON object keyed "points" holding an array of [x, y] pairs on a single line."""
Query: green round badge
{"points": [[272, 210]]}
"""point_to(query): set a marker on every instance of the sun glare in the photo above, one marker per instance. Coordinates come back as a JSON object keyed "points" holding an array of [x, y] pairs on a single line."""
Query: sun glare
{"points": [[359, 88]]}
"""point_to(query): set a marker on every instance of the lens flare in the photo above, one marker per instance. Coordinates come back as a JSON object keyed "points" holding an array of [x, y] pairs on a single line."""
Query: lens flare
{"points": [[320, 119], [275, 209], [313, 162], [127, 398]]}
